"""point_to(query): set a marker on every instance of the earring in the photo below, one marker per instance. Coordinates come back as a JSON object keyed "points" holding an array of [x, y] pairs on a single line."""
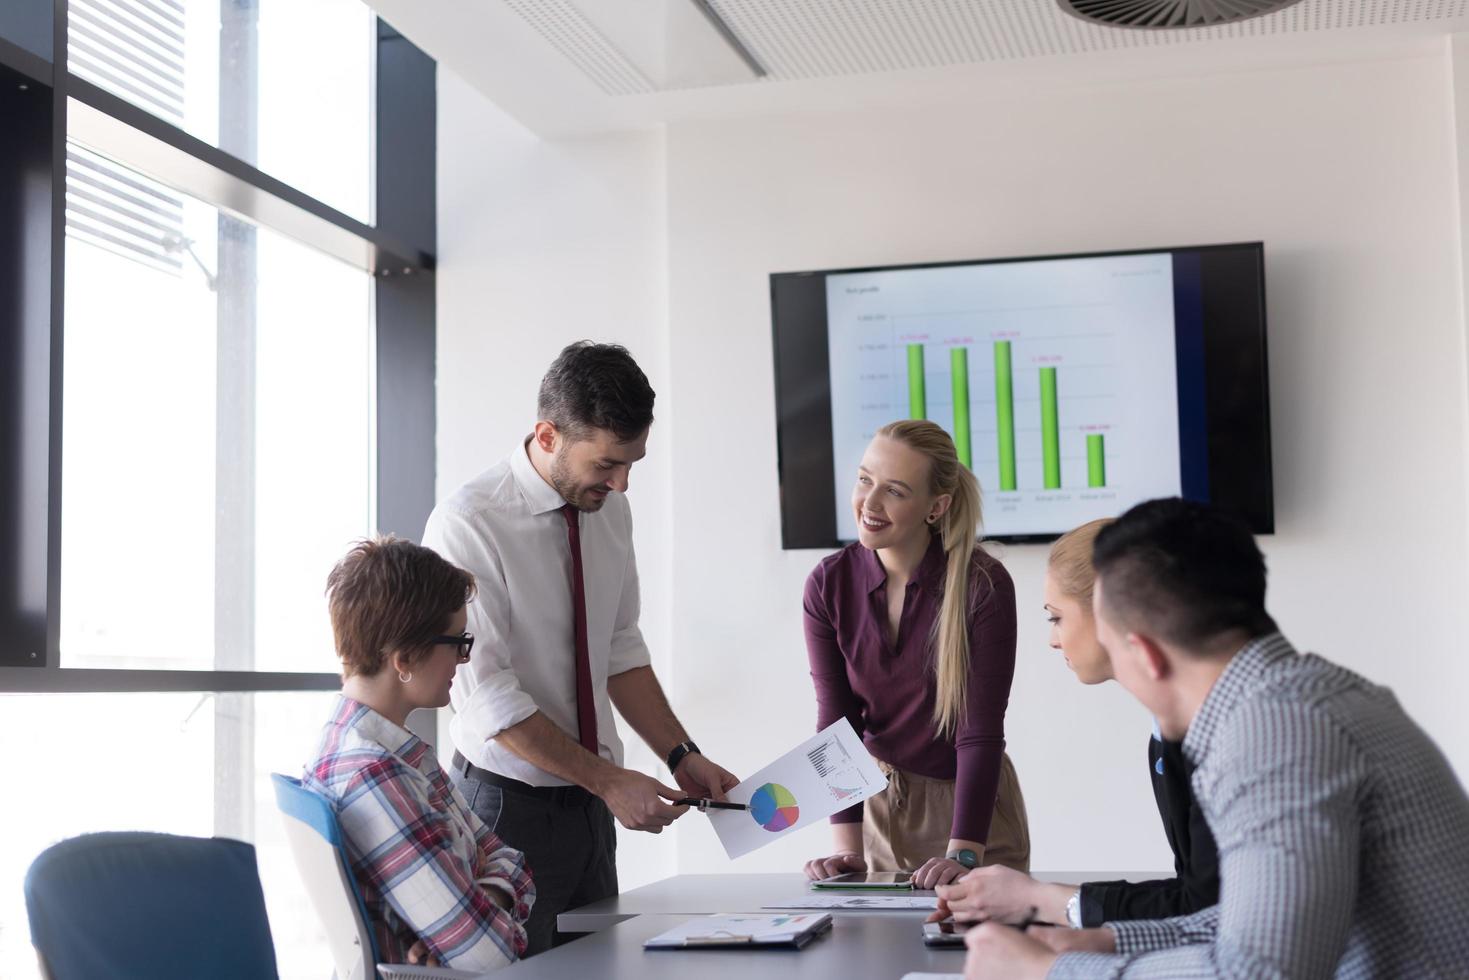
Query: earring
{"points": [[405, 678], [931, 518]]}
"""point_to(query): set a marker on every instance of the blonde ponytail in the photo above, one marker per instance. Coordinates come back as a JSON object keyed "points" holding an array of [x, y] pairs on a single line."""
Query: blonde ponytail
{"points": [[958, 532]]}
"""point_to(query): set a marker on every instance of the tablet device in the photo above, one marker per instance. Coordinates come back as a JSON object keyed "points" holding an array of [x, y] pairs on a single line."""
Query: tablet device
{"points": [[743, 932], [890, 880], [945, 933]]}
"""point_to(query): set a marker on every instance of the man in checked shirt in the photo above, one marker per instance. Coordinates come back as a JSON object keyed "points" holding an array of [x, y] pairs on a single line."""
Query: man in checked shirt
{"points": [[1343, 833]]}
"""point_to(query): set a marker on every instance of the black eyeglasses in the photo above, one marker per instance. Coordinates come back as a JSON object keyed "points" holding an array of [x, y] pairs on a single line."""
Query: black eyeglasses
{"points": [[464, 641]]}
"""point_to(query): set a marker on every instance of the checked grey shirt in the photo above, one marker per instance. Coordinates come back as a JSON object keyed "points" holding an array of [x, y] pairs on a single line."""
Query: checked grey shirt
{"points": [[1343, 836]]}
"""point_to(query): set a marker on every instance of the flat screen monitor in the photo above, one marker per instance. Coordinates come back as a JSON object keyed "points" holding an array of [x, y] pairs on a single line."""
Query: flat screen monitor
{"points": [[1073, 386]]}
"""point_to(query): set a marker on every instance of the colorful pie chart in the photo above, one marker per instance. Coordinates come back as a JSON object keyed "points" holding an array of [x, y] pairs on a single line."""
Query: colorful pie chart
{"points": [[774, 808]]}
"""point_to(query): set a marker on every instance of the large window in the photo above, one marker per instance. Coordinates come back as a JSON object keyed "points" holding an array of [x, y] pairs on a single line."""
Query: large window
{"points": [[278, 83], [217, 390], [216, 352]]}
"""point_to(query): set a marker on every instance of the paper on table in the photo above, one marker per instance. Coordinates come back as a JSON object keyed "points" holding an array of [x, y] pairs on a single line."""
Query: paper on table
{"points": [[933, 976], [828, 772], [860, 902]]}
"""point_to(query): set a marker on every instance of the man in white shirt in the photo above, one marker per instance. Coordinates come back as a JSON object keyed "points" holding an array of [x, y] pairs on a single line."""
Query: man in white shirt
{"points": [[547, 534]]}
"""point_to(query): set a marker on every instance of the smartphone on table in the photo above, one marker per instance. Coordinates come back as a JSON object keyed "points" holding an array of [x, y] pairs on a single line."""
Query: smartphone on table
{"points": [[945, 933]]}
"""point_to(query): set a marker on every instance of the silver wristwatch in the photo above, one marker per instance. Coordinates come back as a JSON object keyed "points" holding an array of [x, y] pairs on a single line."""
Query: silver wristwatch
{"points": [[1073, 909]]}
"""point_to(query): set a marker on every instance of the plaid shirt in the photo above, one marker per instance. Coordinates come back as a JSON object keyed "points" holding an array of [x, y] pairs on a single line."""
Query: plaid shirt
{"points": [[422, 860], [1343, 836]]}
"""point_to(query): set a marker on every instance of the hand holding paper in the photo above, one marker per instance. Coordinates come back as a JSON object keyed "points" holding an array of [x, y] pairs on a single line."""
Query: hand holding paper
{"points": [[699, 777], [829, 772]]}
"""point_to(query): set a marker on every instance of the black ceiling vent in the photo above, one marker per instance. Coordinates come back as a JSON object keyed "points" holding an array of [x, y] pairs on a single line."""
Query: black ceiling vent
{"points": [[1170, 14]]}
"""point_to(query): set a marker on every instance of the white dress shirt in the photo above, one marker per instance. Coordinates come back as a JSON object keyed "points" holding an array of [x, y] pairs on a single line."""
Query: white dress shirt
{"points": [[505, 528]]}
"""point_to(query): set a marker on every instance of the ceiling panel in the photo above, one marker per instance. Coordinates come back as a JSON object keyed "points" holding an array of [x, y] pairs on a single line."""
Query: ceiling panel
{"points": [[568, 67], [806, 39]]}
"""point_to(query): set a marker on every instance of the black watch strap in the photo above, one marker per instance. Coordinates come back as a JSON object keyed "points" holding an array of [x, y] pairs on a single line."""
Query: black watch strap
{"points": [[679, 751]]}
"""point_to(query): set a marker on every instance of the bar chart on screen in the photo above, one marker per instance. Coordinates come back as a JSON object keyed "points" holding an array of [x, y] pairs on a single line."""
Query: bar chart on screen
{"points": [[986, 391], [1062, 401]]}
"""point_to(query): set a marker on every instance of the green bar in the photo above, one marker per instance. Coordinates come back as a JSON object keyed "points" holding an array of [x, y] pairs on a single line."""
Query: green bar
{"points": [[917, 399], [1005, 414], [1096, 462], [1050, 430], [959, 372]]}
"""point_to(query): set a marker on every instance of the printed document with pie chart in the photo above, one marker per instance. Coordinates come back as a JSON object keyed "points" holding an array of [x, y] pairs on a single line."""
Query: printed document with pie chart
{"points": [[827, 773]]}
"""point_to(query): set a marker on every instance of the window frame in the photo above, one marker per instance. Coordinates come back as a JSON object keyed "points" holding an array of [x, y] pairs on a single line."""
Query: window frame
{"points": [[397, 250]]}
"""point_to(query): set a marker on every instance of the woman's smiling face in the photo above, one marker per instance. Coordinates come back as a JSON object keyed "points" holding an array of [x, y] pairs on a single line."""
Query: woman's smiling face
{"points": [[891, 500]]}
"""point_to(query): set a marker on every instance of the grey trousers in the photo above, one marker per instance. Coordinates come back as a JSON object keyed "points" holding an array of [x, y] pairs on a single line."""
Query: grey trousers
{"points": [[570, 847]]}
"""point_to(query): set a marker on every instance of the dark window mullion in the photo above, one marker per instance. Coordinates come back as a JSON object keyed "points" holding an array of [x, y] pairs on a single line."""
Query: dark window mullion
{"points": [[27, 224]]}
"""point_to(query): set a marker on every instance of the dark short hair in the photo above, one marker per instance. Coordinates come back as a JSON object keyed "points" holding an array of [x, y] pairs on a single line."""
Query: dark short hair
{"points": [[1183, 572], [390, 595], [596, 386]]}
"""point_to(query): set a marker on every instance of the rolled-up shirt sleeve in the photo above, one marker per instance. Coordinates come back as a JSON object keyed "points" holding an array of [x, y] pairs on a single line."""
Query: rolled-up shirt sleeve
{"points": [[1177, 948], [404, 849], [502, 869], [629, 651], [834, 696], [495, 700]]}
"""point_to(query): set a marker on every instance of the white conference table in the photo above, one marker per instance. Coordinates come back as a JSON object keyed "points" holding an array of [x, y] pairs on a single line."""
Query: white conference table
{"points": [[863, 944], [708, 894], [879, 946]]}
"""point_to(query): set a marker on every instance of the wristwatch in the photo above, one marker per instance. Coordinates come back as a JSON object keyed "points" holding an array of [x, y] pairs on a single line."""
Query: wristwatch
{"points": [[1073, 909], [679, 751], [965, 857]]}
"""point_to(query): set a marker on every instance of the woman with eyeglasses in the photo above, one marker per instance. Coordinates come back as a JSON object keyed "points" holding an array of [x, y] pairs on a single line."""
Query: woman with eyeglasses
{"points": [[440, 888]]}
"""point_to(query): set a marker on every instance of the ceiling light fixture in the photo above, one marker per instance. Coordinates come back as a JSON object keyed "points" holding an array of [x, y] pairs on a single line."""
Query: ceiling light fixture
{"points": [[1170, 14]]}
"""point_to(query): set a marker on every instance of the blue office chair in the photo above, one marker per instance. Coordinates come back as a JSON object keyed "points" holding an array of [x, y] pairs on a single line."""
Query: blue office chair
{"points": [[316, 842], [119, 906]]}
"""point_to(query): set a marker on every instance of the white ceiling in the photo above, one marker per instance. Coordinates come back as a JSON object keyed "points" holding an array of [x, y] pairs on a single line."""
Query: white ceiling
{"points": [[577, 66]]}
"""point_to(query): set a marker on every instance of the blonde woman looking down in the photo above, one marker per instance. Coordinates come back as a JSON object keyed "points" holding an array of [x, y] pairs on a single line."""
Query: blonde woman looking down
{"points": [[911, 637], [1000, 894]]}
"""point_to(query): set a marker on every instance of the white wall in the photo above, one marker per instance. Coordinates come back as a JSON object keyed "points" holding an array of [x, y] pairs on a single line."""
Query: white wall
{"points": [[539, 245], [1348, 173]]}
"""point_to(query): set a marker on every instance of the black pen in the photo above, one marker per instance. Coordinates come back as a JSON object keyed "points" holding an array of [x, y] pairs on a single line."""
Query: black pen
{"points": [[1029, 919], [1022, 925], [710, 804]]}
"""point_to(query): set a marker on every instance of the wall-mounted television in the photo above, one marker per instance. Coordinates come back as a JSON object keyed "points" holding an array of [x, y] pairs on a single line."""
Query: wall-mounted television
{"points": [[1074, 386]]}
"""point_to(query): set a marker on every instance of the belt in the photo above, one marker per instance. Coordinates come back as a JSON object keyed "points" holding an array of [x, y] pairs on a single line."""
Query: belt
{"points": [[569, 796]]}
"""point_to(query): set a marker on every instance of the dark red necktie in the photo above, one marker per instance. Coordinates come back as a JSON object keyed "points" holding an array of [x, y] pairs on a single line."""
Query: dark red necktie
{"points": [[586, 707]]}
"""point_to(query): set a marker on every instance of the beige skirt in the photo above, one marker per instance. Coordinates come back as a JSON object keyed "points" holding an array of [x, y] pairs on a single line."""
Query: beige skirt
{"points": [[910, 822]]}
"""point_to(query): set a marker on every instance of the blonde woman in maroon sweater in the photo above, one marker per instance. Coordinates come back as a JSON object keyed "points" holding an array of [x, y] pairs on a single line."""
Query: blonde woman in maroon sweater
{"points": [[911, 637]]}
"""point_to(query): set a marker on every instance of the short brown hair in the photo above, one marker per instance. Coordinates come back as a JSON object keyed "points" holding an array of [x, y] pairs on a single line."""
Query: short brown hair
{"points": [[390, 595], [596, 386]]}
